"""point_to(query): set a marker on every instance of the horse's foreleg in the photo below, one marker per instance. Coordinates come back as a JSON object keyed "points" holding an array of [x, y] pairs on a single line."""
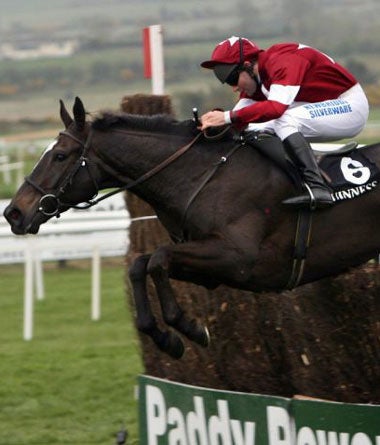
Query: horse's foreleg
{"points": [[171, 311], [167, 341], [198, 259]]}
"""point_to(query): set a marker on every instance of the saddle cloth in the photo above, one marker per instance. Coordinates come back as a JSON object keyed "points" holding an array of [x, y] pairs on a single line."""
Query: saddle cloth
{"points": [[349, 175]]}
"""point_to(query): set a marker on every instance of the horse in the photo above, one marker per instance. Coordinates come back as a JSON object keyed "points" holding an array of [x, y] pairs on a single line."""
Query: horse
{"points": [[219, 198]]}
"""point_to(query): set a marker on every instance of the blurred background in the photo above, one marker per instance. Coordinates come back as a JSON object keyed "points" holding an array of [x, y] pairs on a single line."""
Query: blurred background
{"points": [[74, 382], [52, 49]]}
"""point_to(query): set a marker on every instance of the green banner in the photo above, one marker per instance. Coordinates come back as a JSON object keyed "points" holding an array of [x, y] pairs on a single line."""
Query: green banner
{"points": [[178, 414]]}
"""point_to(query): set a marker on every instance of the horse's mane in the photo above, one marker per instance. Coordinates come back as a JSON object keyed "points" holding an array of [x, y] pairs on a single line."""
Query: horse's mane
{"points": [[161, 123]]}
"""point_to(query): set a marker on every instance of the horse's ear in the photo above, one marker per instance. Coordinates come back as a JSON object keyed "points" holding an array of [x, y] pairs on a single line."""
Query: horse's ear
{"points": [[79, 114], [66, 118]]}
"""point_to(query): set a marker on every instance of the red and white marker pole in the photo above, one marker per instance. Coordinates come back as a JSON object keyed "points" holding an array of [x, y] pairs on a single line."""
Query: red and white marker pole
{"points": [[154, 57]]}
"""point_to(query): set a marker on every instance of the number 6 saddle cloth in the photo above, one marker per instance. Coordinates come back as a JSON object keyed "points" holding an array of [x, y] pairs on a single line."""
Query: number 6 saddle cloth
{"points": [[349, 175]]}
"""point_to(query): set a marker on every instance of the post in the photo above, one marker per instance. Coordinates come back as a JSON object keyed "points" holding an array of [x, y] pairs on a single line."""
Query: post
{"points": [[20, 173], [39, 279], [28, 293], [95, 295], [154, 57]]}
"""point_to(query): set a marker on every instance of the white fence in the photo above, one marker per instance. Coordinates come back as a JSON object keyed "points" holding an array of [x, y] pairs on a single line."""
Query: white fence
{"points": [[6, 167], [95, 233]]}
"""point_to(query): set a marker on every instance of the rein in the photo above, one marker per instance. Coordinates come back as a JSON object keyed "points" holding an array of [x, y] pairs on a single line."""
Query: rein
{"points": [[50, 203], [222, 160]]}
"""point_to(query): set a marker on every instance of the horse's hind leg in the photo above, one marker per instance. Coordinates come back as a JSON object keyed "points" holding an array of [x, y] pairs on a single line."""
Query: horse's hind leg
{"points": [[172, 313], [167, 341]]}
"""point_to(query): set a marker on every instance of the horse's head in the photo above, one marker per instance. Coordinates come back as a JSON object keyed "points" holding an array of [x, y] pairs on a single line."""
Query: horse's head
{"points": [[61, 178]]}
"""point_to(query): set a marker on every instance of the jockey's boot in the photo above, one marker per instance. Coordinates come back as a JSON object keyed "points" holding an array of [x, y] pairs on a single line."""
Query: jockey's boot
{"points": [[301, 153]]}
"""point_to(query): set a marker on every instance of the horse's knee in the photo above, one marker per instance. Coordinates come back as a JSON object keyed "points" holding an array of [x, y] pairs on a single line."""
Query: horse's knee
{"points": [[137, 270], [159, 261], [147, 325], [173, 316]]}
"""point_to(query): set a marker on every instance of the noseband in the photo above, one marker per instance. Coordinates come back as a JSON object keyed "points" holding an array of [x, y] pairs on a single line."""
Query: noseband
{"points": [[50, 203]]}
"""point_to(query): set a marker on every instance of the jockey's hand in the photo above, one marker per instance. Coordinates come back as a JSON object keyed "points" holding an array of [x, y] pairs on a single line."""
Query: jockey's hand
{"points": [[212, 119]]}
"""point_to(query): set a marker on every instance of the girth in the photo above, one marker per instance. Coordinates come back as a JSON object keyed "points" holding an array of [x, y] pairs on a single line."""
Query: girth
{"points": [[276, 153]]}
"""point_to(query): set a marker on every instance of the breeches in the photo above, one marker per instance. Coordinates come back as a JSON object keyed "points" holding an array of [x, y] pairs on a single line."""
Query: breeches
{"points": [[329, 120]]}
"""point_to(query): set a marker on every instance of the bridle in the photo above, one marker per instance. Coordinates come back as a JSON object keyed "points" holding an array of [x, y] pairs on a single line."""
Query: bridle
{"points": [[51, 203]]}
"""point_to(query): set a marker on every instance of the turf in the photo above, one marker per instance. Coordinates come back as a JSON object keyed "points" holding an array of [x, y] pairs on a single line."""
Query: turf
{"points": [[73, 383]]}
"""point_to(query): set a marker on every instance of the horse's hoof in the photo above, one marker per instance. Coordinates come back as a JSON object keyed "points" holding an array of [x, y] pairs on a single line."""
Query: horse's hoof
{"points": [[205, 339], [201, 335], [173, 345]]}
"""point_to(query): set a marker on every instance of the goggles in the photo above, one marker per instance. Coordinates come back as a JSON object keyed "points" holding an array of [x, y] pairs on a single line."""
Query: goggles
{"points": [[228, 73]]}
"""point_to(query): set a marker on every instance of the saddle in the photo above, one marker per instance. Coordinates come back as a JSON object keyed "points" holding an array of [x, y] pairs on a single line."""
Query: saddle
{"points": [[346, 170]]}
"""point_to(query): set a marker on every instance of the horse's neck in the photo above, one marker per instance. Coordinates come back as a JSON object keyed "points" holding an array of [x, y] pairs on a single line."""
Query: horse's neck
{"points": [[171, 190], [126, 156], [129, 156]]}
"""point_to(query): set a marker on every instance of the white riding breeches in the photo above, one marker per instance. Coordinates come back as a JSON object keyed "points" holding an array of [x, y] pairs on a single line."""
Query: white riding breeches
{"points": [[329, 120]]}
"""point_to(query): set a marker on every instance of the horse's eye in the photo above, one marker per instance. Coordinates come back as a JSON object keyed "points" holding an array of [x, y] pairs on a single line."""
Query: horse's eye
{"points": [[60, 157]]}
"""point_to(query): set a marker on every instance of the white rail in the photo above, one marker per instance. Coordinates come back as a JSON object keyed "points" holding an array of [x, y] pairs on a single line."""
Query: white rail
{"points": [[7, 167], [77, 234]]}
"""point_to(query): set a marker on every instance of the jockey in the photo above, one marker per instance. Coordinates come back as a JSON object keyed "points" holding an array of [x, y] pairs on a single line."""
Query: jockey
{"points": [[294, 91]]}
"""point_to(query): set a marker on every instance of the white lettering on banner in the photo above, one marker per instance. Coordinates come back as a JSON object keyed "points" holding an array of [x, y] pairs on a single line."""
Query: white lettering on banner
{"points": [[245, 438], [361, 439], [219, 426], [279, 432], [354, 171], [155, 413], [306, 436], [172, 426], [194, 429], [177, 435], [332, 438], [196, 423]]}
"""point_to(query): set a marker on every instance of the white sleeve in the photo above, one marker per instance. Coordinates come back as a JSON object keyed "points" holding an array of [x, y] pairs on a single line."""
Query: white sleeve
{"points": [[242, 103], [227, 117], [285, 94]]}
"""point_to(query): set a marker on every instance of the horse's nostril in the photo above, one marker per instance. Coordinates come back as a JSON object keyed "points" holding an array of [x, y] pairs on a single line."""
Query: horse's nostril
{"points": [[12, 214]]}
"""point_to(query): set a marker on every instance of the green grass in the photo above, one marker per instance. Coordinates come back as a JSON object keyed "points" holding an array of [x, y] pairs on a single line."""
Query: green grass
{"points": [[73, 382], [374, 115]]}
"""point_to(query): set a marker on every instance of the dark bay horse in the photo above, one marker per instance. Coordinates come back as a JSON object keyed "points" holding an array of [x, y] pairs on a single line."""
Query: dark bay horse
{"points": [[220, 201]]}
